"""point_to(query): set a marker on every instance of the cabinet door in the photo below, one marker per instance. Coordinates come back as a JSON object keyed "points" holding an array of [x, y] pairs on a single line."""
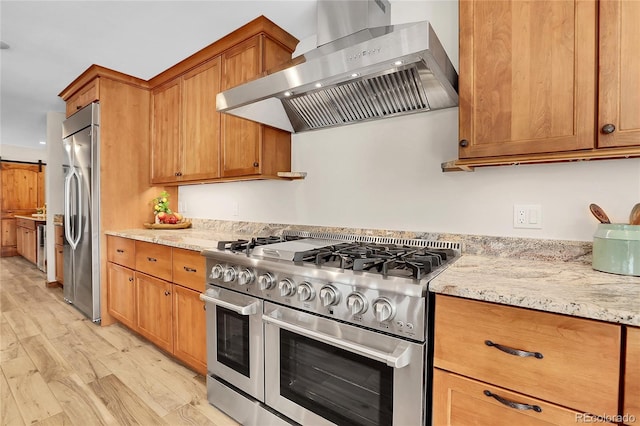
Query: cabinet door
{"points": [[189, 322], [458, 400], [20, 240], [83, 97], [201, 122], [154, 310], [632, 374], [9, 237], [121, 295], [30, 245], [241, 138], [527, 77], [165, 133], [619, 79], [60, 263]]}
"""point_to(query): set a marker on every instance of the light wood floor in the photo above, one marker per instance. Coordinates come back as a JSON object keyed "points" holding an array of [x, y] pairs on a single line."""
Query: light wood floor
{"points": [[58, 368]]}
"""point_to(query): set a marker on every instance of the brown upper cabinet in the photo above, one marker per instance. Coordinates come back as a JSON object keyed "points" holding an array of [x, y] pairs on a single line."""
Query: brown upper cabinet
{"points": [[190, 141], [548, 81], [186, 126]]}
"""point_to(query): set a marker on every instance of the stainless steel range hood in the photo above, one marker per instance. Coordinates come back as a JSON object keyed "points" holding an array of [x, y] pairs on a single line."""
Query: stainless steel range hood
{"points": [[361, 73]]}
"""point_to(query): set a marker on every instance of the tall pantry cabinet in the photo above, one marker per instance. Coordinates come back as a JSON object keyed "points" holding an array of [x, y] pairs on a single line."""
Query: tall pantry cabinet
{"points": [[548, 81], [125, 192]]}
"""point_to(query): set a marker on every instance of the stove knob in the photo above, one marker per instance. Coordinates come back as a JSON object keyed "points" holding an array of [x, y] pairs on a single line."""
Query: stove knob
{"points": [[216, 272], [357, 303], [245, 277], [287, 287], [306, 293], [265, 281], [383, 309], [229, 275], [329, 295]]}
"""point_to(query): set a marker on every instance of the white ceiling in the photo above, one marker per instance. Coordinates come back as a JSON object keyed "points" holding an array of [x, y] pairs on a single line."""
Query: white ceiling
{"points": [[52, 42]]}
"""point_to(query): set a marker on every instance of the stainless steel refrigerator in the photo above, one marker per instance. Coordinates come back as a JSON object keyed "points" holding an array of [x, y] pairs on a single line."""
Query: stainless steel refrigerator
{"points": [[81, 142]]}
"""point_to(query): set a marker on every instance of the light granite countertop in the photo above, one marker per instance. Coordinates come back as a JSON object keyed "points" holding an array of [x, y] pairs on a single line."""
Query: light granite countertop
{"points": [[34, 218], [551, 276], [572, 288], [190, 239]]}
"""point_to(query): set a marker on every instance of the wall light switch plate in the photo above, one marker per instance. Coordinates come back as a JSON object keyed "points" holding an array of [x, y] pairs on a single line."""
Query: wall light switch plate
{"points": [[527, 216]]}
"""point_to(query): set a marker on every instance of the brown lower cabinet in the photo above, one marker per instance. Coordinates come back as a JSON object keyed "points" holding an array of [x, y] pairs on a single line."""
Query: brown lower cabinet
{"points": [[154, 310], [26, 239], [505, 365], [165, 309], [59, 253], [631, 408], [458, 400]]}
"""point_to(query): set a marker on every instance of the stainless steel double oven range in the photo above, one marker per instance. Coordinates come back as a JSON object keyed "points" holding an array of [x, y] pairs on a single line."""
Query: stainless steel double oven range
{"points": [[321, 329]]}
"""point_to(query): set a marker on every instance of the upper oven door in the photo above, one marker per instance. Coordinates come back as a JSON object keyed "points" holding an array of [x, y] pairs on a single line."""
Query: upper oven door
{"points": [[325, 372], [235, 339]]}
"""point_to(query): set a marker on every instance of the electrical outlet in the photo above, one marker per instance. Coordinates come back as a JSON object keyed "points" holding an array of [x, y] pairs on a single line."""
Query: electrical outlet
{"points": [[527, 216]]}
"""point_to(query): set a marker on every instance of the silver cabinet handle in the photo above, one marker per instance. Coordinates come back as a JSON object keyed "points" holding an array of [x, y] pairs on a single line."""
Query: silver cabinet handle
{"points": [[186, 268], [513, 404], [400, 357], [512, 351], [152, 259], [249, 309]]}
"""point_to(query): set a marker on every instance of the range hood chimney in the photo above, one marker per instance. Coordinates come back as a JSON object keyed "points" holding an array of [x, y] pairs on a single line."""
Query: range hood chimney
{"points": [[363, 69]]}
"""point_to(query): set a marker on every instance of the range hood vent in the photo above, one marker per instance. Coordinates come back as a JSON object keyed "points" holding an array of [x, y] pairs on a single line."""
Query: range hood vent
{"points": [[372, 73]]}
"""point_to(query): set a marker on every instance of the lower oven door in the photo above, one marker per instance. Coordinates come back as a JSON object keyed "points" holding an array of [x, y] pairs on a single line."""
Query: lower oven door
{"points": [[235, 339], [324, 372]]}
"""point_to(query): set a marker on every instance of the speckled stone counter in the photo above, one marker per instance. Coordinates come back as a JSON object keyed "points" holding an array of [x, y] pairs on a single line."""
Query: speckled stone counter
{"points": [[546, 275], [191, 239], [571, 288]]}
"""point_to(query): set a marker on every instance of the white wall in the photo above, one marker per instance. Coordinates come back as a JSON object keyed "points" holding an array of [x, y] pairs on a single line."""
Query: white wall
{"points": [[386, 175], [54, 184], [20, 153]]}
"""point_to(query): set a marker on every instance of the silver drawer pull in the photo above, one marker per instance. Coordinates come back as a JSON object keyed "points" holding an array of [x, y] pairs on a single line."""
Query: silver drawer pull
{"points": [[512, 351], [152, 259], [186, 268], [512, 404]]}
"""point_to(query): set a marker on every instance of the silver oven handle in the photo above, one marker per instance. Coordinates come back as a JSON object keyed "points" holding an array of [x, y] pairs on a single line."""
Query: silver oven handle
{"points": [[249, 309], [400, 357]]}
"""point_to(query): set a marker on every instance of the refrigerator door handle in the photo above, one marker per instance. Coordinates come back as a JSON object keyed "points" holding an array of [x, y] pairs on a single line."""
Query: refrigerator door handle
{"points": [[67, 207], [73, 236]]}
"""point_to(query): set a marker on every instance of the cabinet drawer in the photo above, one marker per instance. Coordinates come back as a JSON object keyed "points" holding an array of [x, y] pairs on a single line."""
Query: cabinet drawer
{"points": [[121, 251], [59, 234], [462, 401], [574, 353], [189, 269], [83, 97], [25, 223], [154, 259]]}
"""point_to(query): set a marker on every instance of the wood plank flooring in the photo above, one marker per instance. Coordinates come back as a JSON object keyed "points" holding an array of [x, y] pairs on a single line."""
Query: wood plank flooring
{"points": [[58, 368]]}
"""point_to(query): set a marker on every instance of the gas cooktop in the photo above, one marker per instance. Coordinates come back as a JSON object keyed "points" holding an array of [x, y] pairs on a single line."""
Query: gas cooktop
{"points": [[412, 259]]}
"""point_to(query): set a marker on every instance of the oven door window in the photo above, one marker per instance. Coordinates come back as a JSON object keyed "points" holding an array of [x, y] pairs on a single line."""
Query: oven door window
{"points": [[338, 385], [232, 334]]}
